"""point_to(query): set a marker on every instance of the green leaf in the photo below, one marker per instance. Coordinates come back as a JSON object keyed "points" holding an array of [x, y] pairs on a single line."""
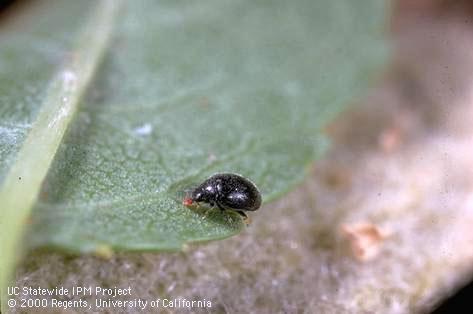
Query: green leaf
{"points": [[22, 182], [185, 90]]}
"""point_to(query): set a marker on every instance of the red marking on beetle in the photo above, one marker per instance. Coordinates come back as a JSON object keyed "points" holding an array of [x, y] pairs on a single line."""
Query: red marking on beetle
{"points": [[187, 201]]}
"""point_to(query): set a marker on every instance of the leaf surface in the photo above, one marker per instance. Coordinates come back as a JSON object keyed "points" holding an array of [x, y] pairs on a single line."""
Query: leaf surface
{"points": [[185, 90], [22, 176]]}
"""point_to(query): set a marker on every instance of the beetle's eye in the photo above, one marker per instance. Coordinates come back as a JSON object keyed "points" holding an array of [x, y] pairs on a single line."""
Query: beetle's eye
{"points": [[198, 197]]}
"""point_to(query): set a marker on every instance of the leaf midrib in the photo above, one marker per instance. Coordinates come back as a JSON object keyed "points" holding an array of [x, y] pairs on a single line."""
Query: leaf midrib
{"points": [[22, 184]]}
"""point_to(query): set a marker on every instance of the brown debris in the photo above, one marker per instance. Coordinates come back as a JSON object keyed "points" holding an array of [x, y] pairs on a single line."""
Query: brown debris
{"points": [[365, 239], [390, 139]]}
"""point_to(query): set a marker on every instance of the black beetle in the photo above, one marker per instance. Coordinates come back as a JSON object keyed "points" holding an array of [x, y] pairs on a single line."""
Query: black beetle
{"points": [[228, 191]]}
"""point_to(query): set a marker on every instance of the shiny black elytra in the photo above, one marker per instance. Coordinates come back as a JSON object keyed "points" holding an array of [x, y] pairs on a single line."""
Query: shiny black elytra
{"points": [[227, 191]]}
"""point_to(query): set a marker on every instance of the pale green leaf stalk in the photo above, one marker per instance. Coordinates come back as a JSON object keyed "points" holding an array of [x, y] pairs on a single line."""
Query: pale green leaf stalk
{"points": [[22, 185]]}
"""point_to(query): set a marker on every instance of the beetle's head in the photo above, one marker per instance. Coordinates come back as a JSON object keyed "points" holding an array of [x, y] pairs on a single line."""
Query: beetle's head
{"points": [[203, 194], [197, 196]]}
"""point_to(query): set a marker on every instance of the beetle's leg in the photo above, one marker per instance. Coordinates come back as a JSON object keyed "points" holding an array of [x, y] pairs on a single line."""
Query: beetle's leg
{"points": [[220, 206], [242, 214], [245, 217], [206, 211]]}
